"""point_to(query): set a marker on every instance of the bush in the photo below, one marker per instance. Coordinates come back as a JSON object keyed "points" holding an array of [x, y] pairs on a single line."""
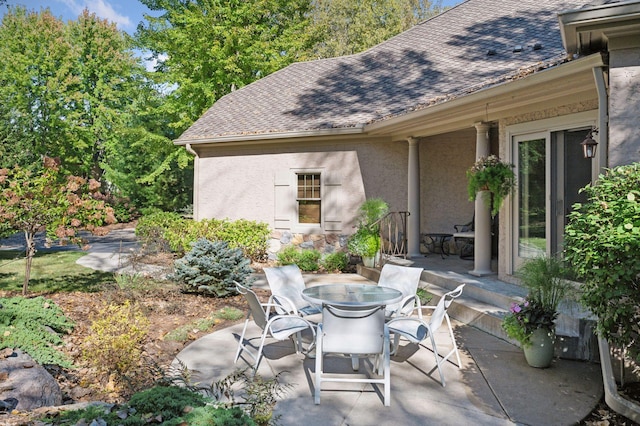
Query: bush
{"points": [[169, 405], [335, 262], [34, 326], [602, 242], [178, 234], [307, 260], [211, 268], [114, 345]]}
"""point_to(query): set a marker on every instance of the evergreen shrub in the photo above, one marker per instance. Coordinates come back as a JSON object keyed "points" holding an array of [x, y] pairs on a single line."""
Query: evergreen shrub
{"points": [[211, 267], [34, 326]]}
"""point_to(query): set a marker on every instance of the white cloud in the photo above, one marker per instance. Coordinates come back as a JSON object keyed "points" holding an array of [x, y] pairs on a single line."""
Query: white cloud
{"points": [[101, 8]]}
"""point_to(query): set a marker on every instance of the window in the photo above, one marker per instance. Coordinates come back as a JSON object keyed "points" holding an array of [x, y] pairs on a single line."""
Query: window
{"points": [[308, 198]]}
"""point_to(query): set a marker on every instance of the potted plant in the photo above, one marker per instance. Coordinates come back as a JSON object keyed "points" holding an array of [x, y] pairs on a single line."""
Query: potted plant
{"points": [[365, 242], [532, 321], [492, 175]]}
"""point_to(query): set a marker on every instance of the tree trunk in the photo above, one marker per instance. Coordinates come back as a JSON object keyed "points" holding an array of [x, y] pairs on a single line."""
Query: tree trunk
{"points": [[30, 252]]}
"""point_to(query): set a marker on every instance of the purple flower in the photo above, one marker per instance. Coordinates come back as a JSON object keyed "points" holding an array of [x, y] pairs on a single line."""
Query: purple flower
{"points": [[515, 308]]}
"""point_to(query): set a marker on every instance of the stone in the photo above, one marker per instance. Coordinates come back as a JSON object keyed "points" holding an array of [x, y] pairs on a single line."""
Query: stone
{"points": [[28, 382]]}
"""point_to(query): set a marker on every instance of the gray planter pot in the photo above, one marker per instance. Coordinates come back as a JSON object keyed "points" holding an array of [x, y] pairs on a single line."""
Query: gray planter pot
{"points": [[611, 396]]}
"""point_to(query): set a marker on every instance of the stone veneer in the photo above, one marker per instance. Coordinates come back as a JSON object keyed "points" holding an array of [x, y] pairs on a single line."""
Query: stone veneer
{"points": [[324, 243]]}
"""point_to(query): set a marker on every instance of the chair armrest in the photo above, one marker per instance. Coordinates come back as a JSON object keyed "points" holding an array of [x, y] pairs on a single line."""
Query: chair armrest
{"points": [[281, 305]]}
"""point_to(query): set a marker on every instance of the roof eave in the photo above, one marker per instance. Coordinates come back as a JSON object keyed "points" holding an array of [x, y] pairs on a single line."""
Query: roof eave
{"points": [[594, 20], [270, 136]]}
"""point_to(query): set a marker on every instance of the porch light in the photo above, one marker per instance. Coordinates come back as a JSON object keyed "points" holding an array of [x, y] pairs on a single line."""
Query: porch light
{"points": [[589, 145]]}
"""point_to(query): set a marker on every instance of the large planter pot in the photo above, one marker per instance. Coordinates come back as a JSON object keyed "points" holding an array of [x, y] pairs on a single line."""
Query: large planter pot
{"points": [[540, 353]]}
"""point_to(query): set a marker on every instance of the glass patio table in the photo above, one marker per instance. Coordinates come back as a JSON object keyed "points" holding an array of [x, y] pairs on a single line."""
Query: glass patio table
{"points": [[351, 295]]}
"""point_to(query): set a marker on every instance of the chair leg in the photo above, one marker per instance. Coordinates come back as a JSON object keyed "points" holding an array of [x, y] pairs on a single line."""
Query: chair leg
{"points": [[453, 340], [438, 362], [318, 368], [387, 371], [259, 354], [241, 342]]}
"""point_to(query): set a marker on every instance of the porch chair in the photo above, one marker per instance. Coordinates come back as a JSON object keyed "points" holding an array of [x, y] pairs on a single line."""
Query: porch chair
{"points": [[417, 329], [464, 238], [406, 280], [286, 284], [356, 333], [272, 324]]}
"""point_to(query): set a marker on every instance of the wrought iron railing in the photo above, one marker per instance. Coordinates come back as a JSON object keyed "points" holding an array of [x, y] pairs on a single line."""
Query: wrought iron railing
{"points": [[393, 236]]}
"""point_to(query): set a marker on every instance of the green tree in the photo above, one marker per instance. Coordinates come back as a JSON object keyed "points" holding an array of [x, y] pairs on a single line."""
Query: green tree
{"points": [[48, 198], [344, 27], [206, 48], [65, 89]]}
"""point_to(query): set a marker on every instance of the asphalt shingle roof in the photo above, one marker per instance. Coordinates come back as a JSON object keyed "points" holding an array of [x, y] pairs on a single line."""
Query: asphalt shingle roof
{"points": [[440, 59]]}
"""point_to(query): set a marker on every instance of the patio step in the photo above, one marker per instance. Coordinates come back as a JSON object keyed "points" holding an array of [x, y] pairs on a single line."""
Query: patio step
{"points": [[486, 300]]}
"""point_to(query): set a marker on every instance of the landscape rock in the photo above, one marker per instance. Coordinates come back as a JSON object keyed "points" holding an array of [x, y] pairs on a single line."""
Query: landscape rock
{"points": [[29, 383]]}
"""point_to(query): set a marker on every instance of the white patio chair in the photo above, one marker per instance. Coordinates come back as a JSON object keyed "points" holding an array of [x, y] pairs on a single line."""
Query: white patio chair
{"points": [[286, 284], [406, 280], [272, 324], [357, 333], [418, 329]]}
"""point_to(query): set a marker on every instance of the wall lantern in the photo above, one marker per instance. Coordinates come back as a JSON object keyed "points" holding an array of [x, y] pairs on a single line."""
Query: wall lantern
{"points": [[589, 145]]}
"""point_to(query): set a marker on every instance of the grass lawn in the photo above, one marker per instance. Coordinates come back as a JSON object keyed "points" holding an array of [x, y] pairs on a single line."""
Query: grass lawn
{"points": [[50, 272]]}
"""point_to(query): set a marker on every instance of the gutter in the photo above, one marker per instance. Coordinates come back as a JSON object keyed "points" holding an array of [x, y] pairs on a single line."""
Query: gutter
{"points": [[611, 396], [603, 111], [257, 137]]}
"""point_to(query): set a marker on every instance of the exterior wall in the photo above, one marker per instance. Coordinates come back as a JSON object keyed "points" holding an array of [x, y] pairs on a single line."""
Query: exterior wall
{"points": [[239, 183], [444, 160], [624, 105]]}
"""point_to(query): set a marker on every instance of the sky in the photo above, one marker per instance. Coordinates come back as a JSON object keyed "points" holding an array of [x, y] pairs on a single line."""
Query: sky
{"points": [[125, 13]]}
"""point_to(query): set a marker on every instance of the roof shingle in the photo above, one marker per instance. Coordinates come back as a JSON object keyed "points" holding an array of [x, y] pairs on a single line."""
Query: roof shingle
{"points": [[440, 59]]}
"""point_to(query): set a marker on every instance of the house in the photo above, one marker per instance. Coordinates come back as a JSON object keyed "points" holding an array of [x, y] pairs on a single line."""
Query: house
{"points": [[527, 80]]}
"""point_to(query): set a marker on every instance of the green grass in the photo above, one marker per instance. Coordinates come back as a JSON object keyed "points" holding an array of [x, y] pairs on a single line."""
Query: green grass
{"points": [[50, 272]]}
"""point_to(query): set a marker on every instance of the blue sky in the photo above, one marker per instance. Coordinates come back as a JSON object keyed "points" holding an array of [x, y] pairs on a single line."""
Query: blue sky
{"points": [[125, 13]]}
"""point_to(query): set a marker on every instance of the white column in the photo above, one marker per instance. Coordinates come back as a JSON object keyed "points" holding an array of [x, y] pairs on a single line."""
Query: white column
{"points": [[413, 200], [482, 243]]}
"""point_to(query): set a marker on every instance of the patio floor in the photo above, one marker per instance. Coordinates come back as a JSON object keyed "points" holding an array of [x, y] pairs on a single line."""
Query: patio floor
{"points": [[493, 386]]}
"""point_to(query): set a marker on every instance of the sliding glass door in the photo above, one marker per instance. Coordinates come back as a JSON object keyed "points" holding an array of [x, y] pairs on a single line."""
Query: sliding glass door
{"points": [[550, 170]]}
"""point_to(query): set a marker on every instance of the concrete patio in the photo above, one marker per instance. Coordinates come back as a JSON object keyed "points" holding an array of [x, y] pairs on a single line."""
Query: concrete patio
{"points": [[493, 386]]}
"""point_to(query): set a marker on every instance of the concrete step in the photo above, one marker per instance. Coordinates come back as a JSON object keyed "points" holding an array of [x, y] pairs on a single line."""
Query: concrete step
{"points": [[486, 300]]}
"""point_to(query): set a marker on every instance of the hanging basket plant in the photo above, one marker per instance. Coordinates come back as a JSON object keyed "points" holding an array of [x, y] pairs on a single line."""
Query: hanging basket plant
{"points": [[492, 175]]}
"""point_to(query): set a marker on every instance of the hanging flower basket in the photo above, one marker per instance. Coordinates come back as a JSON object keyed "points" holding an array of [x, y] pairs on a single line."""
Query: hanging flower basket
{"points": [[492, 175]]}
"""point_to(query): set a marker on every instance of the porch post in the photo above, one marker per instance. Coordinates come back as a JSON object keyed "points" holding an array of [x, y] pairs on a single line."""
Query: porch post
{"points": [[482, 225], [413, 201]]}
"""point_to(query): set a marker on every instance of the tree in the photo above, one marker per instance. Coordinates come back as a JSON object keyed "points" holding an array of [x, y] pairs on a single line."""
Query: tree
{"points": [[47, 198], [206, 48], [65, 89], [344, 27]]}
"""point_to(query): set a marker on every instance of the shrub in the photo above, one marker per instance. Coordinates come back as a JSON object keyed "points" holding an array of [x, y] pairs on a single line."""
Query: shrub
{"points": [[335, 262], [307, 260], [115, 342], [168, 405], [34, 326], [602, 242], [211, 268], [178, 234]]}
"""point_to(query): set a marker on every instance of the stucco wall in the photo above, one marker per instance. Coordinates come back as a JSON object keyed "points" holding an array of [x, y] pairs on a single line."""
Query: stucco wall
{"points": [[624, 107], [444, 160], [239, 183]]}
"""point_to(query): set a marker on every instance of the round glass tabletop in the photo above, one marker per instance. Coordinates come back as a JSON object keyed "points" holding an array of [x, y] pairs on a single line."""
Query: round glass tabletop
{"points": [[354, 295]]}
